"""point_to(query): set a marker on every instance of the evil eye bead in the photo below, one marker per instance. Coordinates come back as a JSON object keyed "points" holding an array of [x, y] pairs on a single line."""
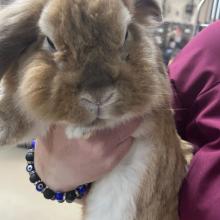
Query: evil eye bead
{"points": [[40, 186], [30, 168]]}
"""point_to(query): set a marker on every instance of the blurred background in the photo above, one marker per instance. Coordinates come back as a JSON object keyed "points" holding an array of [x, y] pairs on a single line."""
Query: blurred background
{"points": [[18, 199], [183, 20]]}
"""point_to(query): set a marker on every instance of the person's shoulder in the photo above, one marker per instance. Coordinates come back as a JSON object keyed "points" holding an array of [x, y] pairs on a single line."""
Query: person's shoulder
{"points": [[209, 38], [202, 51], [207, 41], [197, 68]]}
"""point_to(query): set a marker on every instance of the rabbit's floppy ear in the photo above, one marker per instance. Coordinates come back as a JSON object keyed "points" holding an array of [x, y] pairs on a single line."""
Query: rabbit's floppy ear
{"points": [[18, 29], [145, 11]]}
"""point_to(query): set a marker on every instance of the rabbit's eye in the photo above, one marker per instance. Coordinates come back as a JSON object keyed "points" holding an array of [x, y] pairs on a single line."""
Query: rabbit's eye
{"points": [[50, 44], [126, 35], [124, 49]]}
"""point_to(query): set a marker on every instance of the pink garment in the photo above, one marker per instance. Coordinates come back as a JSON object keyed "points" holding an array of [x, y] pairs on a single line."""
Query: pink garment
{"points": [[195, 77]]}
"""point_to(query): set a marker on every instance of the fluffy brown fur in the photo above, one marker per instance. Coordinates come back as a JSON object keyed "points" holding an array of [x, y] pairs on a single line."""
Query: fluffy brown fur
{"points": [[163, 185], [89, 40], [93, 56]]}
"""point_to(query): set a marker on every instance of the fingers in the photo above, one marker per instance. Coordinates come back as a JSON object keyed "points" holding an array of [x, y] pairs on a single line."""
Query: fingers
{"points": [[118, 154], [63, 166], [127, 129], [117, 135], [110, 138]]}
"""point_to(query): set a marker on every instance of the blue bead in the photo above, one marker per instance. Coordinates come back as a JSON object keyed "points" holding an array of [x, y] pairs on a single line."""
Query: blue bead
{"points": [[33, 144], [81, 190], [59, 196], [40, 186]]}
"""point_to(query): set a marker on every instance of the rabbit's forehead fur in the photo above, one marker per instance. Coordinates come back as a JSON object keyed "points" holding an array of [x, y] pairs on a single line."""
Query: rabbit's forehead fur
{"points": [[89, 23], [94, 60]]}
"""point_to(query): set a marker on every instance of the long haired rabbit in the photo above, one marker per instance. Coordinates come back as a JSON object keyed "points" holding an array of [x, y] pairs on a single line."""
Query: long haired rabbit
{"points": [[93, 64]]}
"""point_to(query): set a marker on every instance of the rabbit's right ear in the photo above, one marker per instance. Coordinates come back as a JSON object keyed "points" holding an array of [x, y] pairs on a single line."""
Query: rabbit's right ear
{"points": [[18, 30], [145, 11]]}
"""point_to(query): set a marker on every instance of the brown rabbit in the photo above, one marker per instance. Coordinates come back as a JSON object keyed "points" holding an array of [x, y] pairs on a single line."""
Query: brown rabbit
{"points": [[93, 64]]}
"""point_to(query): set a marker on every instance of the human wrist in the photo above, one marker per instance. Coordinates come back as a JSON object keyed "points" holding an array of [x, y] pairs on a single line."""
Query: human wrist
{"points": [[69, 196]]}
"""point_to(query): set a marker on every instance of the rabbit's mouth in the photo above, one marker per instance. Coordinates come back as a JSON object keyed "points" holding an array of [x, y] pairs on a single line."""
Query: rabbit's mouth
{"points": [[98, 106], [99, 120], [96, 122]]}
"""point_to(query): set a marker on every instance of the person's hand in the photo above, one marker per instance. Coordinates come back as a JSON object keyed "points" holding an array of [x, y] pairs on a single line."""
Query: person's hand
{"points": [[64, 164]]}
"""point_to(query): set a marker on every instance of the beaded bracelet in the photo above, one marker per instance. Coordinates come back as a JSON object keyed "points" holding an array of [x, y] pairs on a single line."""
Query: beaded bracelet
{"points": [[49, 194]]}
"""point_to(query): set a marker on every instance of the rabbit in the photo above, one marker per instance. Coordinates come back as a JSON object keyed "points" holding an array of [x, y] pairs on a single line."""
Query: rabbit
{"points": [[93, 65]]}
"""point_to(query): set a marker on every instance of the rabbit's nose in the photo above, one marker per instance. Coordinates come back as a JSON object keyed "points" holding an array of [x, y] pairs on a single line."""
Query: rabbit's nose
{"points": [[98, 101]]}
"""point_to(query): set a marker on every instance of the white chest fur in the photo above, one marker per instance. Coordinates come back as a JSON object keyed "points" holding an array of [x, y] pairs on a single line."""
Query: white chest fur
{"points": [[114, 196]]}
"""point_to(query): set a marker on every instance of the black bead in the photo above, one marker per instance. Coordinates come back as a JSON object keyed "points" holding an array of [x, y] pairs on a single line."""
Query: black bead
{"points": [[22, 146], [34, 177], [48, 194], [28, 146], [30, 156], [60, 201], [70, 196]]}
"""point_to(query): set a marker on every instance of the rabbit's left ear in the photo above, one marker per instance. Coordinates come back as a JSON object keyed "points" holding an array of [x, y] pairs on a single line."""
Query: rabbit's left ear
{"points": [[145, 11], [18, 30]]}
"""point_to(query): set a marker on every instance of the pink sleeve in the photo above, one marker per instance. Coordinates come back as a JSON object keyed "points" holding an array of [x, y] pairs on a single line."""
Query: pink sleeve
{"points": [[195, 76], [200, 194]]}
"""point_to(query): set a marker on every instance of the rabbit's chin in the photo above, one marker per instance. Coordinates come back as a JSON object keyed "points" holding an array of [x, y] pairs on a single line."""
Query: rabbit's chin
{"points": [[85, 131]]}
